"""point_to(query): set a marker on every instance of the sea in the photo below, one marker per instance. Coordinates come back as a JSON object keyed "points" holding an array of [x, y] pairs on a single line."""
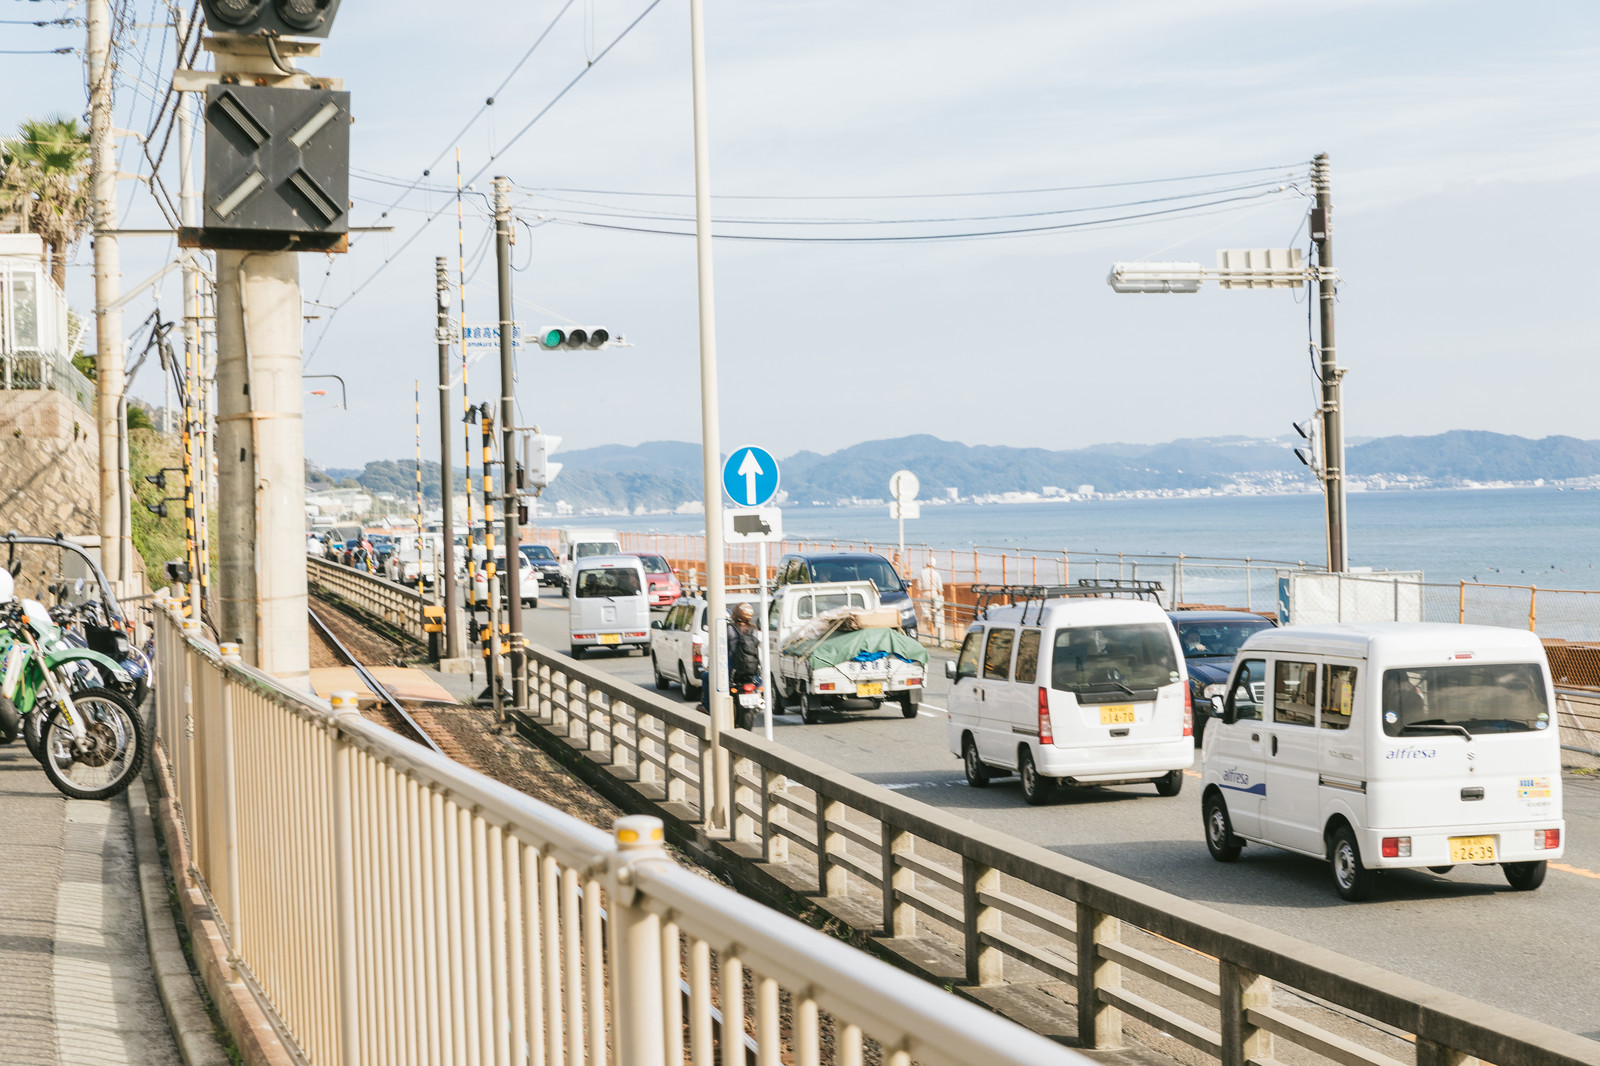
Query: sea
{"points": [[1547, 536]]}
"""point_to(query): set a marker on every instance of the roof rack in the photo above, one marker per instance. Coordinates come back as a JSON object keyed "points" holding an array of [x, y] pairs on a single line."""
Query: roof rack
{"points": [[1086, 587]]}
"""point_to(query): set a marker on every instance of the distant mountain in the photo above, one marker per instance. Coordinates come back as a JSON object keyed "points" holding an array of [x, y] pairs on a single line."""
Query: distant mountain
{"points": [[664, 475]]}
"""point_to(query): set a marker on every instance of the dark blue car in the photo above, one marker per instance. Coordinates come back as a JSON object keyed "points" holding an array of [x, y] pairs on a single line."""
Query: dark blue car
{"points": [[1209, 640], [810, 567]]}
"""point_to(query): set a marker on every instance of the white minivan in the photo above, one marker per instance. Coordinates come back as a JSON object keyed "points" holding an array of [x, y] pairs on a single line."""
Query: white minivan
{"points": [[610, 605], [1082, 690], [1387, 746]]}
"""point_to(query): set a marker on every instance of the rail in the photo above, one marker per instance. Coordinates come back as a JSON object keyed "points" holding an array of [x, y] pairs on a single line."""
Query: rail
{"points": [[408, 725], [386, 905], [1015, 915], [394, 605]]}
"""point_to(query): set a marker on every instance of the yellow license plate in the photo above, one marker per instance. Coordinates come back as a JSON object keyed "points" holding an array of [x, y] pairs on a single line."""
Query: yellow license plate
{"points": [[611, 638], [1472, 849], [870, 688], [1122, 714]]}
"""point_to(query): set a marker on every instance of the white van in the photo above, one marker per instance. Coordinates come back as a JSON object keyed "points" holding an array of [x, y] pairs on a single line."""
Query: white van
{"points": [[1081, 690], [610, 605], [1388, 746], [578, 544]]}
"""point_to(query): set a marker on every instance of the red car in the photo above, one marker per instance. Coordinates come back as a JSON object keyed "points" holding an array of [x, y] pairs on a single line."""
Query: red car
{"points": [[664, 586]]}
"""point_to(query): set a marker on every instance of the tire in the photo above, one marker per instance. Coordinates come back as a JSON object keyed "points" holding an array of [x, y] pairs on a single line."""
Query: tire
{"points": [[33, 732], [908, 709], [117, 735], [1441, 870], [977, 772], [575, 651], [1036, 788], [683, 682], [1524, 876], [1220, 841], [1170, 783], [655, 668], [744, 717], [1352, 880], [10, 721], [810, 708]]}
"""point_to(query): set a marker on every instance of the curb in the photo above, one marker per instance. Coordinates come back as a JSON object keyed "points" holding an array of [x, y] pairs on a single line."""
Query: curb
{"points": [[191, 1025]]}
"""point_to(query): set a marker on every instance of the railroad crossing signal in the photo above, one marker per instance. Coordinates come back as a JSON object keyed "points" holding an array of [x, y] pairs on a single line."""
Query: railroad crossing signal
{"points": [[277, 168], [278, 18], [554, 338]]}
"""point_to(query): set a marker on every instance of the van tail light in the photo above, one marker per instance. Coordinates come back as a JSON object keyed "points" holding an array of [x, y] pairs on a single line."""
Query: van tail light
{"points": [[1188, 712], [1045, 736], [1397, 847], [1547, 839]]}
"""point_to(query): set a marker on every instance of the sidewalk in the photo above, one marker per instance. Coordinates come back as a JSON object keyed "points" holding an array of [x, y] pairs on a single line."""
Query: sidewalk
{"points": [[73, 955]]}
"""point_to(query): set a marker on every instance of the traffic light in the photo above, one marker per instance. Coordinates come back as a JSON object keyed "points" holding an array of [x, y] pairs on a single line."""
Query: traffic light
{"points": [[283, 18], [554, 338], [537, 469]]}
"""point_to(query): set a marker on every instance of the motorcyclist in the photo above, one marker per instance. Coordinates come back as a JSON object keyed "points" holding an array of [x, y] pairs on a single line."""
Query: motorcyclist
{"points": [[744, 653]]}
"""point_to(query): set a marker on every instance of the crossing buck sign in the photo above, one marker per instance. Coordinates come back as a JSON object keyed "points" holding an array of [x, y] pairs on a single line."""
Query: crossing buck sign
{"points": [[277, 169]]}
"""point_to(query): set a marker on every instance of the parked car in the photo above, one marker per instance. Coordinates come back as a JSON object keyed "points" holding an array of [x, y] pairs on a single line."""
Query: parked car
{"points": [[812, 568], [664, 585], [677, 642], [544, 562], [609, 607], [1209, 640]]}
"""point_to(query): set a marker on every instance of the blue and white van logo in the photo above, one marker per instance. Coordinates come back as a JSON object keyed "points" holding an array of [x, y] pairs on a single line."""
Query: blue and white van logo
{"points": [[1239, 781]]}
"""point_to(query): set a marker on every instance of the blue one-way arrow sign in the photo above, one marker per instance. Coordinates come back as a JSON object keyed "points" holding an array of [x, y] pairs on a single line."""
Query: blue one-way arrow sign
{"points": [[750, 476]]}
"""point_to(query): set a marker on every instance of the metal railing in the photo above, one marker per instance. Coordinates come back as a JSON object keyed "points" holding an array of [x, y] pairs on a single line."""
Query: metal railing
{"points": [[386, 905], [395, 605], [1014, 913]]}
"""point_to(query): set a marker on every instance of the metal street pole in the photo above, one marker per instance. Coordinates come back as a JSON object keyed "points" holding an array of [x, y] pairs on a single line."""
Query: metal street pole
{"points": [[1328, 371], [452, 624], [761, 624], [508, 403], [710, 437], [109, 354]]}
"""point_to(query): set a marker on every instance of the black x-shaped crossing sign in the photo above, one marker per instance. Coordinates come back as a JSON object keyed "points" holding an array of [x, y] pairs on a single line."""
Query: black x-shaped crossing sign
{"points": [[277, 167]]}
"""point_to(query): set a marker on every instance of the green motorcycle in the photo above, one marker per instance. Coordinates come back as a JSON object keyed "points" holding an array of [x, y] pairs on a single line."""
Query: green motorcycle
{"points": [[90, 739]]}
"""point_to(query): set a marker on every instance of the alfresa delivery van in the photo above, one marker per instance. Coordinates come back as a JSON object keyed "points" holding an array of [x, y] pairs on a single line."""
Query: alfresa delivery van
{"points": [[1387, 746]]}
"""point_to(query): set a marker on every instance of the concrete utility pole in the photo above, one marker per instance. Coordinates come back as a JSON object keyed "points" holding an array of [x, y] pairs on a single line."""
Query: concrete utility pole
{"points": [[261, 448], [193, 347], [109, 354], [452, 622], [718, 698], [508, 463], [1328, 371]]}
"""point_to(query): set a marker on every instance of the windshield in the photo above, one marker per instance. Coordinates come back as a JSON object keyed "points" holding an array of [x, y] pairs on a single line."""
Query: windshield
{"points": [[538, 551], [600, 584], [1102, 658], [873, 569], [654, 564], [597, 547], [1479, 698], [1201, 640]]}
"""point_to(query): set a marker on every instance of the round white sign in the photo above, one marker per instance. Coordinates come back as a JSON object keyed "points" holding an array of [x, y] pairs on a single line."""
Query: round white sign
{"points": [[904, 485]]}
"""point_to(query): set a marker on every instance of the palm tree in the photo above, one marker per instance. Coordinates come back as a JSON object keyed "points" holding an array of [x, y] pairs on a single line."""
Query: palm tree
{"points": [[44, 179]]}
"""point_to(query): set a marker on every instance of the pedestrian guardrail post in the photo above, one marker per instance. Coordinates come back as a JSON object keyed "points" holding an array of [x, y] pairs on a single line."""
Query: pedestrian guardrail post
{"points": [[677, 786], [230, 810], [899, 918], [831, 877], [636, 956], [774, 845], [1242, 1041], [349, 1028], [744, 802], [1099, 1023], [984, 961]]}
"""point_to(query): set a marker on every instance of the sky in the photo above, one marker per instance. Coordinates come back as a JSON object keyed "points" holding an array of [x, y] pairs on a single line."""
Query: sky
{"points": [[1463, 137]]}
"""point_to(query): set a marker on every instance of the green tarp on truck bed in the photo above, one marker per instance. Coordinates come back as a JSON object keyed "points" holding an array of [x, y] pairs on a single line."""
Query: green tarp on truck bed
{"points": [[838, 648]]}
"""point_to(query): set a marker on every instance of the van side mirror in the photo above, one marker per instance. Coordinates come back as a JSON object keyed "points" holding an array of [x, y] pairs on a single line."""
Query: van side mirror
{"points": [[655, 623], [950, 669]]}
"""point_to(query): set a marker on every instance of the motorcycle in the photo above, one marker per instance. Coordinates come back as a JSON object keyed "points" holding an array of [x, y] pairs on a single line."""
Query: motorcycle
{"points": [[89, 737], [747, 704]]}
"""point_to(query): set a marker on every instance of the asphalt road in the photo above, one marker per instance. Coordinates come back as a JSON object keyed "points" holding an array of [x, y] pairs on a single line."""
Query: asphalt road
{"points": [[1467, 931]]}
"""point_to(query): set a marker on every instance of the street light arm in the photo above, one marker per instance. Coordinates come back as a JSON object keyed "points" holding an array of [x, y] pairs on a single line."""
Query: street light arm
{"points": [[344, 396]]}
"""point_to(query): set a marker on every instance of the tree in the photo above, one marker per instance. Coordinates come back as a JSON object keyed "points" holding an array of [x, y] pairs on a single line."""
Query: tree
{"points": [[44, 179]]}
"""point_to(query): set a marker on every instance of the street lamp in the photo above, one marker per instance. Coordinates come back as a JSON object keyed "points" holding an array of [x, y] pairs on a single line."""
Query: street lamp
{"points": [[1280, 268], [344, 397]]}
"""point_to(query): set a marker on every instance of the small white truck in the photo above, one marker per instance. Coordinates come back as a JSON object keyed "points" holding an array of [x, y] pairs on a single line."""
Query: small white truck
{"points": [[578, 544], [832, 644], [406, 561]]}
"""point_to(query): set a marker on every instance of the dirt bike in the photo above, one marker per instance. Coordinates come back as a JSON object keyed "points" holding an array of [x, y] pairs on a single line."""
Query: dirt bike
{"points": [[89, 737]]}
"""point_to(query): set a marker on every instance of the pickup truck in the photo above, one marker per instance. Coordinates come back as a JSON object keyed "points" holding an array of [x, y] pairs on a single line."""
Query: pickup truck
{"points": [[833, 643]]}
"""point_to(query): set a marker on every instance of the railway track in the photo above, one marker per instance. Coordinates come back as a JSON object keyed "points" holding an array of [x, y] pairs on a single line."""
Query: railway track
{"points": [[405, 725]]}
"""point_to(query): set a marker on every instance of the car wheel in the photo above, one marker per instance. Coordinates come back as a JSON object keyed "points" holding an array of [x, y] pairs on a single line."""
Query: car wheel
{"points": [[577, 652], [908, 709], [810, 708], [1170, 784], [655, 668], [1036, 788], [977, 773], [1352, 880], [1525, 876], [1220, 841]]}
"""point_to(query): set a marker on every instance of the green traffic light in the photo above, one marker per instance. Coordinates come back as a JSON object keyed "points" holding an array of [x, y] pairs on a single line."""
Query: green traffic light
{"points": [[552, 338]]}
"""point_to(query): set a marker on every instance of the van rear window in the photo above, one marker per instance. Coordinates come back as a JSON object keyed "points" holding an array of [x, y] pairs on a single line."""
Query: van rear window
{"points": [[600, 584], [596, 547], [1108, 658], [1476, 697]]}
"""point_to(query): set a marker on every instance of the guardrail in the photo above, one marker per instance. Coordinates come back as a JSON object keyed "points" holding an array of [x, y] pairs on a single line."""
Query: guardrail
{"points": [[1012, 913], [387, 905], [394, 605]]}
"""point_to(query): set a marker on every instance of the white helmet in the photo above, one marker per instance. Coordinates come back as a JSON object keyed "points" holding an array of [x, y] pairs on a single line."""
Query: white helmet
{"points": [[8, 587]]}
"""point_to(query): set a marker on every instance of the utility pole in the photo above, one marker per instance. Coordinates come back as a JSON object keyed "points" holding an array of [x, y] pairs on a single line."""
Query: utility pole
{"points": [[193, 377], [508, 465], [109, 355], [1328, 370], [452, 623], [261, 444], [718, 698]]}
